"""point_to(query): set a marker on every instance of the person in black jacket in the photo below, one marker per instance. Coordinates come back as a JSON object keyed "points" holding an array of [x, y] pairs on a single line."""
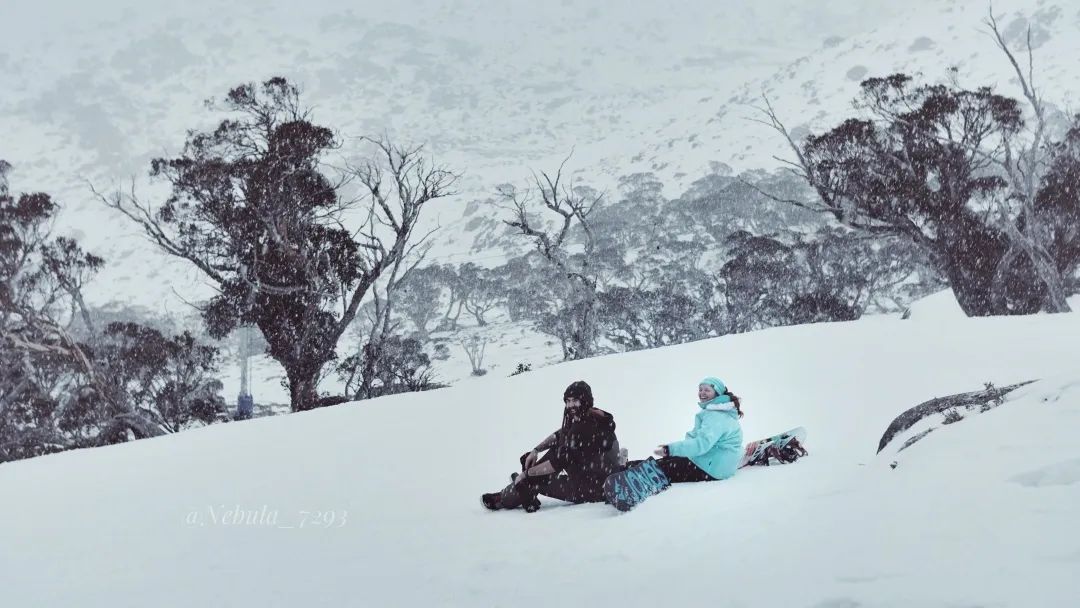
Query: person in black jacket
{"points": [[580, 455]]}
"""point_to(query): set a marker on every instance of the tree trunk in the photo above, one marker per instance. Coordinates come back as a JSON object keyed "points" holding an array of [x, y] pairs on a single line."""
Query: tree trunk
{"points": [[454, 321], [970, 256], [449, 309], [1055, 287], [421, 327], [303, 386], [1043, 269], [372, 353], [971, 291], [583, 338], [999, 286]]}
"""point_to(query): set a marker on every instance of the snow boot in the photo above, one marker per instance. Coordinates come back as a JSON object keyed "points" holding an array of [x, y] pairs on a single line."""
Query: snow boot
{"points": [[513, 497], [491, 501]]}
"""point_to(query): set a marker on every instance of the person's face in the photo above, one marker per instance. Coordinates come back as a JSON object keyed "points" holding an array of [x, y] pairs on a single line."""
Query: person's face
{"points": [[571, 403], [705, 392]]}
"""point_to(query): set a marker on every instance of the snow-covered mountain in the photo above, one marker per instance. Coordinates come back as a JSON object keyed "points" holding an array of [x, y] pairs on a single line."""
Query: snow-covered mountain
{"points": [[91, 92], [376, 503], [814, 92]]}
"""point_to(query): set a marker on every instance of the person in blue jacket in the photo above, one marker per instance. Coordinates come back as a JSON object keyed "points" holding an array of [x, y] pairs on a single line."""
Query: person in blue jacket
{"points": [[713, 448]]}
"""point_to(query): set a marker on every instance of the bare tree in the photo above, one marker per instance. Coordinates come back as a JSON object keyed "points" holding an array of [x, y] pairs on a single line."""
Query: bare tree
{"points": [[474, 347], [1025, 164], [384, 295], [577, 327]]}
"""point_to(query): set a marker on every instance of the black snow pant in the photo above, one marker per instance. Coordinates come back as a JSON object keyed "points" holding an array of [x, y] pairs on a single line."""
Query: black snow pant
{"points": [[570, 489], [678, 469]]}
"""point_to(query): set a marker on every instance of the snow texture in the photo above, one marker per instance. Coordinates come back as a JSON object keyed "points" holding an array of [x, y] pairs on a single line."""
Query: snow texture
{"points": [[978, 513]]}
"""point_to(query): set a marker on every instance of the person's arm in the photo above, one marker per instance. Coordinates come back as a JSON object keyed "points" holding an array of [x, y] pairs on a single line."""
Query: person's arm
{"points": [[547, 443], [700, 441]]}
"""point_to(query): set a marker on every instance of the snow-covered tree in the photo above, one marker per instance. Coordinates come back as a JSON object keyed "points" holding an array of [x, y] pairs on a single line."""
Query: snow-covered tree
{"points": [[257, 211], [960, 173]]}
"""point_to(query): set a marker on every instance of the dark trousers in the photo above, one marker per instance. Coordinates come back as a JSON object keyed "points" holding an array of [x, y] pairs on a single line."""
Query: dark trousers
{"points": [[571, 489], [678, 469]]}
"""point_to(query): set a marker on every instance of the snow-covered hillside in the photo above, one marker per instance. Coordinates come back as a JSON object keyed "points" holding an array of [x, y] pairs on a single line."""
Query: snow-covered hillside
{"points": [[92, 91], [495, 89], [814, 93], [980, 513]]}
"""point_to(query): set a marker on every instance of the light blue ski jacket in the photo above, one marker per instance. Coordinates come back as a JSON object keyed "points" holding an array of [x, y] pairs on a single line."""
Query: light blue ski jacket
{"points": [[715, 443]]}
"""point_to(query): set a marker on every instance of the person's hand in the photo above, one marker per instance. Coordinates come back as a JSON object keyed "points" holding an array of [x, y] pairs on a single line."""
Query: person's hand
{"points": [[530, 460], [660, 451]]}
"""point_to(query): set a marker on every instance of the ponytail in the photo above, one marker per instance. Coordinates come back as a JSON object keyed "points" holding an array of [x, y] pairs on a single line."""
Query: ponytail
{"points": [[735, 399]]}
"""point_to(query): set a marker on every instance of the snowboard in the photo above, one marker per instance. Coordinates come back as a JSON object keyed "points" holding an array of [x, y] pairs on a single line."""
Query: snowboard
{"points": [[762, 451], [627, 489]]}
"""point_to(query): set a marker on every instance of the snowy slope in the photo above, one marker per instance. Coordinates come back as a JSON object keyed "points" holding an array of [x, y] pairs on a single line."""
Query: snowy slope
{"points": [[979, 514]]}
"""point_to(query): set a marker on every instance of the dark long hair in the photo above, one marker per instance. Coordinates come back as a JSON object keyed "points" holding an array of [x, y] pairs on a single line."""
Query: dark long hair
{"points": [[735, 399], [583, 393]]}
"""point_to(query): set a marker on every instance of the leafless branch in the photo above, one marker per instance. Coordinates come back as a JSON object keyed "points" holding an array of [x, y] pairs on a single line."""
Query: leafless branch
{"points": [[143, 215], [774, 122]]}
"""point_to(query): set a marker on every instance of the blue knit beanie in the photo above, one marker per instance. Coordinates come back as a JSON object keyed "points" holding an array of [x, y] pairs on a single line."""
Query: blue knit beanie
{"points": [[717, 385]]}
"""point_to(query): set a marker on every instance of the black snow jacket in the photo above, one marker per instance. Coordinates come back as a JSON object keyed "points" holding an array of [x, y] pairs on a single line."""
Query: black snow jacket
{"points": [[586, 445]]}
